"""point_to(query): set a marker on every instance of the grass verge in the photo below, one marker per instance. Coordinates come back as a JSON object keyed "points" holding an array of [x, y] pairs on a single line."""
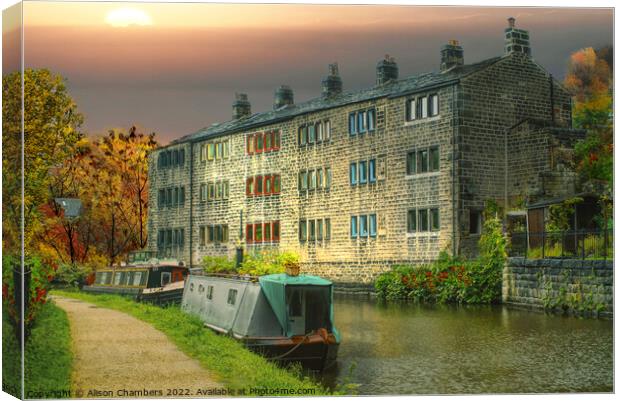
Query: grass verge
{"points": [[234, 365], [48, 356]]}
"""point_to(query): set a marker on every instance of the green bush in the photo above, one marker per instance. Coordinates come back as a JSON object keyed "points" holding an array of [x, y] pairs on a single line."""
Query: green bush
{"points": [[452, 280], [218, 264], [254, 264]]}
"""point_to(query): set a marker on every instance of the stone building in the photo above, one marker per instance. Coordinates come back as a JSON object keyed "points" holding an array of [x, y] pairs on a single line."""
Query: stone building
{"points": [[357, 181]]}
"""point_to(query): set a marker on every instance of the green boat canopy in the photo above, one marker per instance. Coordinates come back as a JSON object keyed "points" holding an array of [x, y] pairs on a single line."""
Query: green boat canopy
{"points": [[274, 288]]}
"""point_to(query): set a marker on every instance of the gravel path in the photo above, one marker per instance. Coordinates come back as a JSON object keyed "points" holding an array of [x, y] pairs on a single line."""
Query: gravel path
{"points": [[116, 355]]}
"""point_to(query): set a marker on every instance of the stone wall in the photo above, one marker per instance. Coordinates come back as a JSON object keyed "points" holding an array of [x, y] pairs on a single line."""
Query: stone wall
{"points": [[581, 286]]}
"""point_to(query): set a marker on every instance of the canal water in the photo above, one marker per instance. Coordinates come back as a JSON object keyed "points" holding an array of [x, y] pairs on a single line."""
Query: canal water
{"points": [[421, 349]]}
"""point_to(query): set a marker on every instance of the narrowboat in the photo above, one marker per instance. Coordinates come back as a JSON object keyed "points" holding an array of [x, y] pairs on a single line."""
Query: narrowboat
{"points": [[143, 278], [285, 318]]}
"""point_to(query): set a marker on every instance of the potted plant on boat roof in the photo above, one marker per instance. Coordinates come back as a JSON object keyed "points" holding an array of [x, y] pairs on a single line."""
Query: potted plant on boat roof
{"points": [[290, 261]]}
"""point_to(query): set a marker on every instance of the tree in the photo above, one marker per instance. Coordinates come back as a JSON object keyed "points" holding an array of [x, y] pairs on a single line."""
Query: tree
{"points": [[589, 79], [51, 129]]}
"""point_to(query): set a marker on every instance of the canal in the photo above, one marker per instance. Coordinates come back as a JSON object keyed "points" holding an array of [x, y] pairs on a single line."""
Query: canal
{"points": [[421, 349]]}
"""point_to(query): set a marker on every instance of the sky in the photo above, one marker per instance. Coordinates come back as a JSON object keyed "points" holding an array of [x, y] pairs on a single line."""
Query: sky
{"points": [[174, 68]]}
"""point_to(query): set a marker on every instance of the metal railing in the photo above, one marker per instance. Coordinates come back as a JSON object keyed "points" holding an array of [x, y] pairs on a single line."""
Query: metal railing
{"points": [[574, 244]]}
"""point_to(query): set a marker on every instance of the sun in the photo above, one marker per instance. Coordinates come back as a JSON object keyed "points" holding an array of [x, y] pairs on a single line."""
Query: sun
{"points": [[122, 17]]}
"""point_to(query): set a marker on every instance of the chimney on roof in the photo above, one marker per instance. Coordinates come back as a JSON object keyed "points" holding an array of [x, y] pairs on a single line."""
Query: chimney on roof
{"points": [[332, 84], [283, 97], [517, 40], [451, 55], [241, 106], [387, 70]]}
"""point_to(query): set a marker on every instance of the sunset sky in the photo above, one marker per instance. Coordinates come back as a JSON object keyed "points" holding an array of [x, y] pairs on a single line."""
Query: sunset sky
{"points": [[174, 68]]}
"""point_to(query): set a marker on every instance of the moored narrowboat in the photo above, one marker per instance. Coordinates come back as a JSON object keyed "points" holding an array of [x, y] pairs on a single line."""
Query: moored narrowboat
{"points": [[142, 278], [286, 318]]}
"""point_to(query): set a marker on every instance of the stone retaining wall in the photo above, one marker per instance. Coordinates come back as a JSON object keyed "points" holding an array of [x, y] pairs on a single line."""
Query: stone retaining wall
{"points": [[574, 286]]}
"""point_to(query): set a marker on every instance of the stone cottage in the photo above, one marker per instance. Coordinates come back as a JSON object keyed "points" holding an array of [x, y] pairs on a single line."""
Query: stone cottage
{"points": [[357, 181]]}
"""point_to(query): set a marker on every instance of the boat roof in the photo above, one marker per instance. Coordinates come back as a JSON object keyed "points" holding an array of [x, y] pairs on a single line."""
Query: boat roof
{"points": [[284, 280]]}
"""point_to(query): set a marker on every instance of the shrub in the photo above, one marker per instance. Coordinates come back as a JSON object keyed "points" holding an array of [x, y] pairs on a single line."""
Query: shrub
{"points": [[254, 264], [218, 264]]}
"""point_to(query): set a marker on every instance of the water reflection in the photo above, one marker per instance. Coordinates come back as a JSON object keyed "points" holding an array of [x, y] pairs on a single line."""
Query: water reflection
{"points": [[421, 349]]}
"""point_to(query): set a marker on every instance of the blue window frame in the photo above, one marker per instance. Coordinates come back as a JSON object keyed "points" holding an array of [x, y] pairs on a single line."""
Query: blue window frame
{"points": [[353, 173], [361, 122], [353, 226], [363, 176], [372, 225], [370, 116], [372, 171], [363, 226], [352, 127]]}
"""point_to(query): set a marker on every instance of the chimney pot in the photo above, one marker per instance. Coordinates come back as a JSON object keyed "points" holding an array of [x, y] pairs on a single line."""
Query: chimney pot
{"points": [[451, 55], [283, 97], [516, 40], [332, 84], [387, 70], [241, 106]]}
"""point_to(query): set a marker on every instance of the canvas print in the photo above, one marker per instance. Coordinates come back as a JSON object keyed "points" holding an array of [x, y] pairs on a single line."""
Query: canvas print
{"points": [[215, 199]]}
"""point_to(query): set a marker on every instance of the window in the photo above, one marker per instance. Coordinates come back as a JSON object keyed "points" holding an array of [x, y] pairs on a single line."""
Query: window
{"points": [[371, 119], [203, 152], [328, 130], [372, 225], [267, 232], [182, 157], [434, 159], [422, 157], [353, 173], [219, 190], [202, 236], [311, 134], [312, 176], [303, 181], [424, 104], [210, 234], [210, 292], [352, 126], [250, 144], [311, 230], [363, 174], [328, 177], [411, 163], [319, 178], [319, 230], [372, 175], [249, 186], [169, 196], [319, 132], [434, 217], [328, 229], [433, 105], [219, 150], [303, 135], [276, 184], [303, 233], [475, 222], [175, 157], [182, 196], [268, 144], [210, 151], [258, 233], [363, 225], [410, 109], [260, 144], [258, 184], [423, 220], [361, 122], [249, 233], [268, 185], [225, 189], [210, 191], [232, 296], [276, 231], [411, 221], [353, 226]]}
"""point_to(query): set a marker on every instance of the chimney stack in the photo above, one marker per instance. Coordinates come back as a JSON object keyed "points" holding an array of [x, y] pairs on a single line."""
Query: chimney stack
{"points": [[517, 40], [241, 106], [332, 84], [283, 97], [451, 55], [387, 70]]}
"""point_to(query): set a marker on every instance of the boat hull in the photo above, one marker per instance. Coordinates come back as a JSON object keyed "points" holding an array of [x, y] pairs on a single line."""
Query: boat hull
{"points": [[312, 353]]}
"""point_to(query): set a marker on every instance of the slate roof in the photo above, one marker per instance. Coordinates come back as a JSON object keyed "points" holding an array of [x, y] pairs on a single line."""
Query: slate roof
{"points": [[397, 88]]}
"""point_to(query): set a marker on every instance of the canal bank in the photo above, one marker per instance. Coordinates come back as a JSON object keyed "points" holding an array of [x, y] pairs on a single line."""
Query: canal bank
{"points": [[406, 348]]}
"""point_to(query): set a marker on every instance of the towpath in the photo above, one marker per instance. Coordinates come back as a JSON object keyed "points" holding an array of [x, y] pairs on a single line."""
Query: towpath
{"points": [[117, 355]]}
